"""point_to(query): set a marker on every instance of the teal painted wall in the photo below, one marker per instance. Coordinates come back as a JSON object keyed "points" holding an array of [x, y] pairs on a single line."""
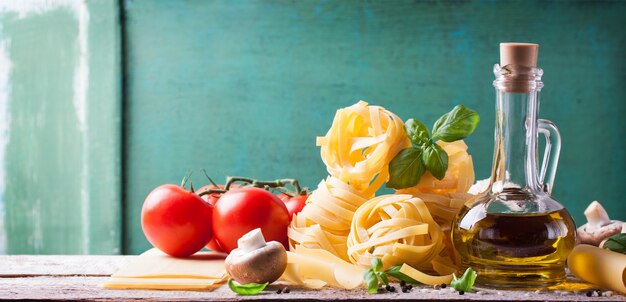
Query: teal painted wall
{"points": [[244, 87], [60, 139]]}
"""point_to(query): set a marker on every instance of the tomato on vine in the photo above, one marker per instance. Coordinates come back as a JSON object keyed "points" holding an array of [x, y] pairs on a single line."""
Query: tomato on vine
{"points": [[241, 210], [176, 221], [294, 203]]}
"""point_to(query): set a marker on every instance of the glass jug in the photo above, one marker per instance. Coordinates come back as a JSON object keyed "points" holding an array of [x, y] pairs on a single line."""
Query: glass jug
{"points": [[514, 234]]}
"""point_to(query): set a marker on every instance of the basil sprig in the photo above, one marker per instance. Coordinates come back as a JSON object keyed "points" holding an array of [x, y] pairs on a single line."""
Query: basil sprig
{"points": [[374, 276], [466, 281], [246, 289], [616, 243], [408, 166]]}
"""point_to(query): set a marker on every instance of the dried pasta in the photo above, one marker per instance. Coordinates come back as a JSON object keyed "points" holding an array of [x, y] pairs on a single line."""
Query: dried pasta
{"points": [[325, 220], [395, 228], [360, 144], [356, 150], [459, 176], [343, 217], [443, 208]]}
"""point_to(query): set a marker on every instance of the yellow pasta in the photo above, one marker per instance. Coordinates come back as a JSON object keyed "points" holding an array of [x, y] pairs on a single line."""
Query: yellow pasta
{"points": [[343, 217], [459, 176], [360, 144], [443, 208], [397, 229], [357, 150], [444, 198], [315, 268], [424, 278], [325, 220]]}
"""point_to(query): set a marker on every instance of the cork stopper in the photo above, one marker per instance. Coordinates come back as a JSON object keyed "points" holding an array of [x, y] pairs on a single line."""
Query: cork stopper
{"points": [[523, 54], [520, 62]]}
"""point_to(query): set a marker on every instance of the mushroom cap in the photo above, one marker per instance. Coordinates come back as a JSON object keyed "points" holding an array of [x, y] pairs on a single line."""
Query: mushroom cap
{"points": [[588, 235], [265, 264]]}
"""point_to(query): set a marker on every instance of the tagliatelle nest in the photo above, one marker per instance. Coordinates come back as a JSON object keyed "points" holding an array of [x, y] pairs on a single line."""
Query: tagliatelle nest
{"points": [[356, 150], [325, 220], [397, 229], [360, 144]]}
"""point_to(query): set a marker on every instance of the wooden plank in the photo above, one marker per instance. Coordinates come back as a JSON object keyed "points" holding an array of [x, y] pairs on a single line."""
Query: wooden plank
{"points": [[86, 288], [104, 116], [243, 87], [60, 140], [77, 278], [27, 265]]}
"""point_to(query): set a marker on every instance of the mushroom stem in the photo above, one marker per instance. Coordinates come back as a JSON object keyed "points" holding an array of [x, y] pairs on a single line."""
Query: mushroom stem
{"points": [[597, 216], [251, 241]]}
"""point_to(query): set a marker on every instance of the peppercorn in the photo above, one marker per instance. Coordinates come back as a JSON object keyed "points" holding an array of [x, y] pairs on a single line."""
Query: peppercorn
{"points": [[402, 283], [405, 289], [589, 293], [409, 287], [461, 292], [443, 285], [392, 289], [279, 291], [388, 288], [286, 290]]}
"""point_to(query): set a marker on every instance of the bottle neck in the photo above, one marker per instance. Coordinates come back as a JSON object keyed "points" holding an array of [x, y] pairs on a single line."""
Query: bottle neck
{"points": [[515, 155], [517, 105]]}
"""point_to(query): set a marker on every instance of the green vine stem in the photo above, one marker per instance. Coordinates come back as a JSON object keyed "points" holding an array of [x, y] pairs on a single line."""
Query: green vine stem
{"points": [[245, 181]]}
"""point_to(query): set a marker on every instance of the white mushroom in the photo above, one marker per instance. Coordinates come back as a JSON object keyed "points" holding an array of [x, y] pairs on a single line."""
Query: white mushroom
{"points": [[256, 261], [598, 226]]}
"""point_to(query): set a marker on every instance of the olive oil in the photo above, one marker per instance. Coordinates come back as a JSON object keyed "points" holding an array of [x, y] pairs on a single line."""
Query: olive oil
{"points": [[514, 234], [513, 250]]}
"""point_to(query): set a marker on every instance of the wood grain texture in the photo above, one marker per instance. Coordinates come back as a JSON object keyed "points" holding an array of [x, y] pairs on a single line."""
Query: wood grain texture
{"points": [[244, 87], [86, 288], [29, 265], [77, 278], [60, 166]]}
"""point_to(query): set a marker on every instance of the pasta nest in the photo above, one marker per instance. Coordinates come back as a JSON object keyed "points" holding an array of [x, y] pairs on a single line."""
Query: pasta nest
{"points": [[360, 144], [325, 220], [397, 229]]}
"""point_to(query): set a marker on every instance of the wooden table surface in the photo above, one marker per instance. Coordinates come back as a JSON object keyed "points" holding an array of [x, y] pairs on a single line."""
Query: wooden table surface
{"points": [[77, 278]]}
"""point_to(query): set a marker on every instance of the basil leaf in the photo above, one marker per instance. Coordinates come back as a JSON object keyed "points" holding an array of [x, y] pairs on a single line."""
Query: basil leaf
{"points": [[616, 243], [406, 169], [376, 263], [394, 272], [246, 289], [436, 160], [456, 124], [369, 277], [417, 132], [466, 281], [383, 278]]}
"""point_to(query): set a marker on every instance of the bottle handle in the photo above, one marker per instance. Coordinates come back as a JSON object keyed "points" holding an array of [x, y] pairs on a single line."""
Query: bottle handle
{"points": [[550, 155]]}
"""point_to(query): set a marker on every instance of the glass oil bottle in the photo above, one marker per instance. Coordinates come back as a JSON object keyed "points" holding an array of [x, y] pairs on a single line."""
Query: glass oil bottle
{"points": [[514, 234]]}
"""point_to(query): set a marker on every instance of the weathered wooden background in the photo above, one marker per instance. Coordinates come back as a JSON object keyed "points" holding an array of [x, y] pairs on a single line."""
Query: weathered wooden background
{"points": [[101, 101]]}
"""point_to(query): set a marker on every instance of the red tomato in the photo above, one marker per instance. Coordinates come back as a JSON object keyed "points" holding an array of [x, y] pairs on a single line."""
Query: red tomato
{"points": [[212, 199], [176, 221], [242, 210], [294, 204]]}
